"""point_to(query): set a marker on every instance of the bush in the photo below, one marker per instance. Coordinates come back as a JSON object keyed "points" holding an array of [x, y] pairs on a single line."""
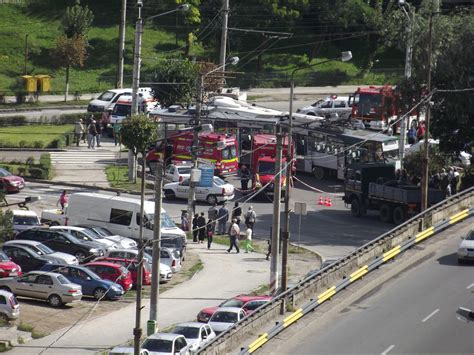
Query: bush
{"points": [[37, 173], [56, 143], [12, 121], [45, 161], [23, 144], [38, 144]]}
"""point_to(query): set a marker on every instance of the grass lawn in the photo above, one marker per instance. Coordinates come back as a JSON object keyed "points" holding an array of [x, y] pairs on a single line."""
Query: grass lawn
{"points": [[40, 104], [33, 136], [117, 176]]}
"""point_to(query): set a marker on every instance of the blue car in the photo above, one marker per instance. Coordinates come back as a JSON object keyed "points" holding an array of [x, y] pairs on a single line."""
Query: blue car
{"points": [[92, 284]]}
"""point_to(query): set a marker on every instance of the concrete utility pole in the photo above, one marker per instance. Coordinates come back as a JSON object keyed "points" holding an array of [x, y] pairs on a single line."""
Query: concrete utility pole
{"points": [[26, 53], [155, 275], [121, 45], [225, 18], [274, 277]]}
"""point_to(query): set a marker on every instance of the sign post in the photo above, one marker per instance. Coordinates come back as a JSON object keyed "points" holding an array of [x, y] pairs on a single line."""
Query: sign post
{"points": [[300, 210]]}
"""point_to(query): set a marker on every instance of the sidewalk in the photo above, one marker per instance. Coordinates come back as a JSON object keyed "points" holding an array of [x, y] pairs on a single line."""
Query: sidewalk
{"points": [[223, 276]]}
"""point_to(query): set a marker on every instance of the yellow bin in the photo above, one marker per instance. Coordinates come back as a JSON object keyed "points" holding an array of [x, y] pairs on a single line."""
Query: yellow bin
{"points": [[43, 82], [30, 83]]}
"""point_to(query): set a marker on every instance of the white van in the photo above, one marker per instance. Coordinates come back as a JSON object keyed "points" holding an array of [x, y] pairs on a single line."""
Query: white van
{"points": [[107, 99], [121, 215]]}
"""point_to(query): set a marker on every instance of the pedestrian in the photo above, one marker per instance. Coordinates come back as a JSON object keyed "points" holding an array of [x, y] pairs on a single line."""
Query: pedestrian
{"points": [[141, 103], [420, 132], [210, 233], [195, 228], [201, 223], [223, 217], [269, 249], [248, 239], [244, 177], [212, 214], [91, 133], [411, 135], [455, 183], [184, 221], [63, 200], [78, 131], [98, 128], [234, 233], [250, 217], [237, 213], [117, 126]]}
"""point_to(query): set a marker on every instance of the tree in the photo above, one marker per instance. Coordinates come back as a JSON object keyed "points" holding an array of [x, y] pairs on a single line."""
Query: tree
{"points": [[6, 221], [77, 20], [177, 82]]}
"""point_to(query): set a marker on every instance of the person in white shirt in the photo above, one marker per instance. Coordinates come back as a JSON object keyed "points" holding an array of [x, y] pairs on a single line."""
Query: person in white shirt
{"points": [[248, 239], [233, 235]]}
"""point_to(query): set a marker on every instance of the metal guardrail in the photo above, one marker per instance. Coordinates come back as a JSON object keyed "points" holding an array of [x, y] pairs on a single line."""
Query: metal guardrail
{"points": [[364, 259]]}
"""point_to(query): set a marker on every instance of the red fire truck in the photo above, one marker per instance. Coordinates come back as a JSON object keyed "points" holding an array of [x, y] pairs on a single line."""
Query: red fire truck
{"points": [[263, 159], [217, 149], [375, 106]]}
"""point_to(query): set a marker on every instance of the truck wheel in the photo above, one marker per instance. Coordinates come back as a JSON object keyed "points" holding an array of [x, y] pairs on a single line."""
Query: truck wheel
{"points": [[318, 173], [355, 207], [386, 213], [399, 215]]}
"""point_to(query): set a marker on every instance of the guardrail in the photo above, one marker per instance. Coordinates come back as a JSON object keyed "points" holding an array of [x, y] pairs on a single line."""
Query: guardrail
{"points": [[349, 268]]}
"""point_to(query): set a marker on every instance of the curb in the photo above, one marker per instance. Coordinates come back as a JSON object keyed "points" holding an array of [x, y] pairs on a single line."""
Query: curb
{"points": [[41, 150], [43, 108]]}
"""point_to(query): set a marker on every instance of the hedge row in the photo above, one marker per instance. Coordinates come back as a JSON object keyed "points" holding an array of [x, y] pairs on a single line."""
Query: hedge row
{"points": [[41, 170], [68, 118]]}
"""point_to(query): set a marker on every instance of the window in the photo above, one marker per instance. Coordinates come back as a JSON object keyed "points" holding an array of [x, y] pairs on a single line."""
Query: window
{"points": [[225, 317], [29, 278], [121, 217], [106, 96], [187, 332], [158, 345], [203, 333], [25, 221], [62, 280], [3, 300], [339, 104], [20, 253], [44, 280], [179, 344], [185, 182], [327, 104]]}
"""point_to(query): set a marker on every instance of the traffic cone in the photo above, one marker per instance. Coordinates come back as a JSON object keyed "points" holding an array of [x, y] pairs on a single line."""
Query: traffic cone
{"points": [[329, 204], [321, 201], [325, 203]]}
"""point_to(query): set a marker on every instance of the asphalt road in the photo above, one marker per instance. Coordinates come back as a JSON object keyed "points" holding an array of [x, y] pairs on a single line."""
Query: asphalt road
{"points": [[414, 313]]}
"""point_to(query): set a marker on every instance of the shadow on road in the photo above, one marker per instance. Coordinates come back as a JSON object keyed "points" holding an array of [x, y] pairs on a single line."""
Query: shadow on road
{"points": [[450, 259]]}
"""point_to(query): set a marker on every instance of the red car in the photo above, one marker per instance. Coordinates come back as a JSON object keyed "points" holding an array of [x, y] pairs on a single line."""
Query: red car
{"points": [[10, 182], [7, 267], [248, 303], [113, 272], [132, 266]]}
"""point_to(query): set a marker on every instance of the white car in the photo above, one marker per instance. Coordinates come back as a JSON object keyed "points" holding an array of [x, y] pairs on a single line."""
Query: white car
{"points": [[166, 344], [107, 100], [466, 249], [329, 106], [196, 333], [44, 251], [24, 219], [83, 234], [219, 192], [178, 172], [122, 242], [225, 317]]}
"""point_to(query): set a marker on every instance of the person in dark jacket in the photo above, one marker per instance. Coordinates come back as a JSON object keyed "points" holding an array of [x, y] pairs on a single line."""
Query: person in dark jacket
{"points": [[195, 228], [244, 178], [237, 213], [98, 128], [223, 217], [210, 233], [201, 224]]}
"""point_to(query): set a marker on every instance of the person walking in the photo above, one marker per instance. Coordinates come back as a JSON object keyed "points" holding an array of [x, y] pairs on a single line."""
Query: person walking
{"points": [[237, 213], [91, 133], [78, 131], [117, 126], [63, 200], [244, 178], [223, 217], [210, 233], [184, 221], [201, 223], [248, 239], [234, 233], [195, 228], [212, 213], [98, 128], [250, 217]]}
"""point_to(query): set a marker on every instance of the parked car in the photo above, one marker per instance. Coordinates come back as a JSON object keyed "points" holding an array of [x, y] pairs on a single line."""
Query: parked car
{"points": [[329, 106], [107, 100], [174, 242], [91, 283], [9, 307], [113, 272], [26, 258], [132, 266], [466, 248], [166, 344], [7, 267], [24, 219], [168, 256], [50, 286], [10, 182], [240, 301], [45, 251], [125, 350], [196, 334], [178, 172], [86, 235], [122, 242], [224, 318], [64, 242], [220, 191]]}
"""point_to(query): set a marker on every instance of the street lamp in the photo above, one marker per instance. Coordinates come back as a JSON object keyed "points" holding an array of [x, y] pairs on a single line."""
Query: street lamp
{"points": [[345, 56], [197, 122], [137, 66]]}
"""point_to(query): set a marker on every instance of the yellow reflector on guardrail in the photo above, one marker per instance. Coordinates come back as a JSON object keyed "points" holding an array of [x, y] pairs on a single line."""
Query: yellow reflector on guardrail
{"points": [[262, 339], [391, 253], [326, 294], [293, 317], [425, 234], [458, 216], [359, 273]]}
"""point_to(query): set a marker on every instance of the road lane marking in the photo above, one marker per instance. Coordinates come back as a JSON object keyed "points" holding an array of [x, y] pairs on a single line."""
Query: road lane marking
{"points": [[430, 315], [388, 349], [468, 287]]}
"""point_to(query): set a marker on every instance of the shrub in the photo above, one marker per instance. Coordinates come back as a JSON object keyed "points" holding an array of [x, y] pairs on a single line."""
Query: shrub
{"points": [[21, 170], [23, 144], [13, 121], [45, 161], [38, 144], [37, 173], [56, 143]]}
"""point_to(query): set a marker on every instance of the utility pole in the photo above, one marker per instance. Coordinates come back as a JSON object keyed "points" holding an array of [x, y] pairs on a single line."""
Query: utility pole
{"points": [[276, 215], [26, 53], [225, 18], [155, 275], [121, 45]]}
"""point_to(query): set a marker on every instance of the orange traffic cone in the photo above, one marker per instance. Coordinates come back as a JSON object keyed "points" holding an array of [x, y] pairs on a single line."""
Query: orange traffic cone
{"points": [[329, 204], [325, 203], [321, 201]]}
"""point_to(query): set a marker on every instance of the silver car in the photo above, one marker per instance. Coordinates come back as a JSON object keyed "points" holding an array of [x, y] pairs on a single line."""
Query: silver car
{"points": [[9, 307], [166, 344], [466, 249], [122, 242], [196, 333], [44, 251], [84, 234], [328, 107], [49, 286]]}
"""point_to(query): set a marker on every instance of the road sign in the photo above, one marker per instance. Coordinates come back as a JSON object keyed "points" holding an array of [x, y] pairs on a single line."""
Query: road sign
{"points": [[300, 208], [207, 176]]}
